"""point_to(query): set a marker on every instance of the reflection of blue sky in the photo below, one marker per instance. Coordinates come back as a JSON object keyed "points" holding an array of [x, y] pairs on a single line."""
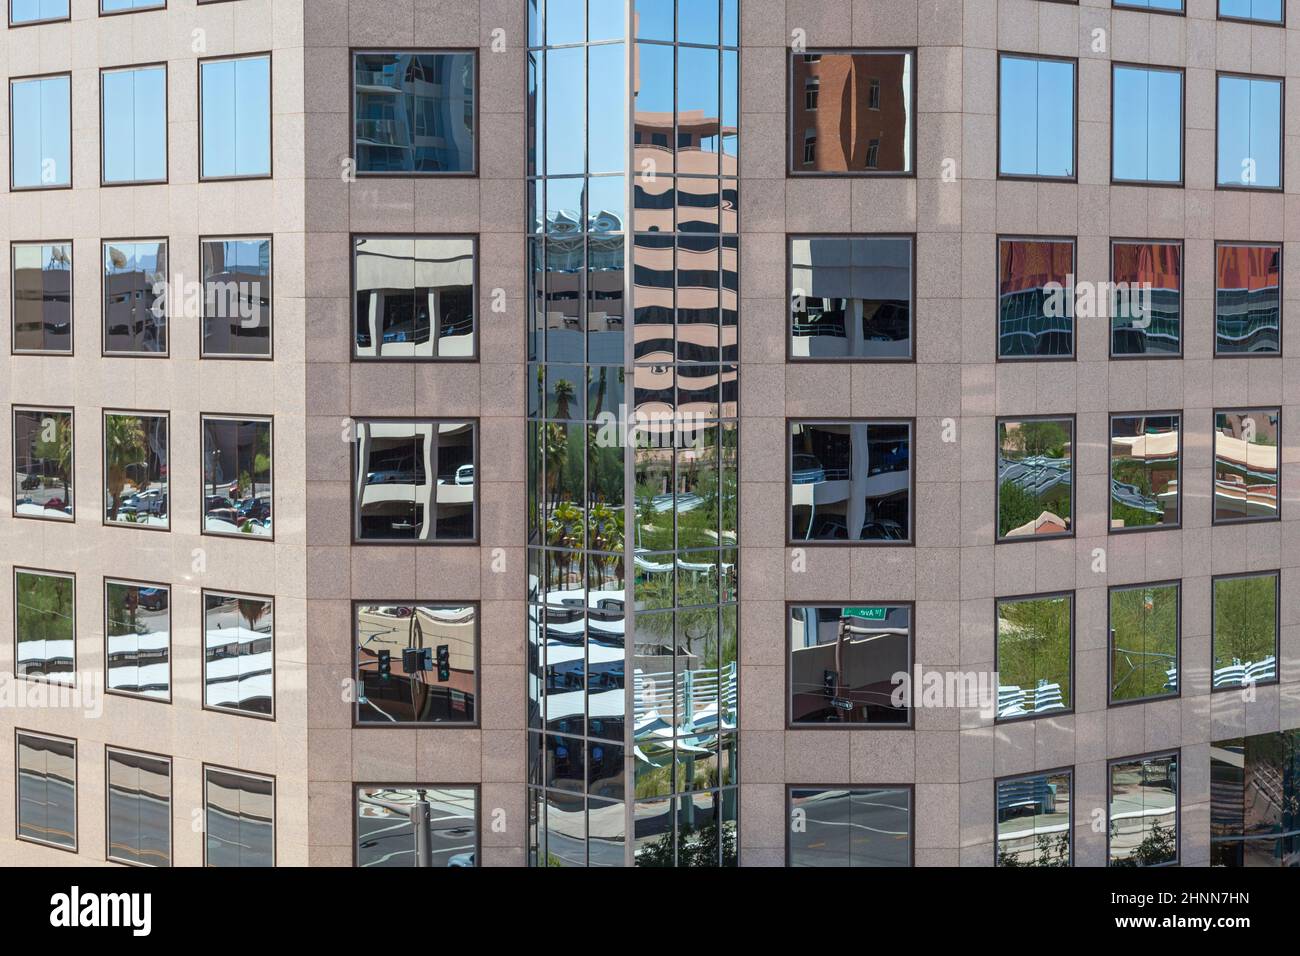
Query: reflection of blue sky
{"points": [[1250, 125], [29, 11], [42, 132], [1151, 4], [134, 121], [237, 117], [1148, 120], [1036, 119], [1267, 10]]}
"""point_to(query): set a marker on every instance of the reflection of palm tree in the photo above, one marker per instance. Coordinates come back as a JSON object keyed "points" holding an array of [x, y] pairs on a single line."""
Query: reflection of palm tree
{"points": [[59, 450], [564, 392], [124, 444], [251, 611]]}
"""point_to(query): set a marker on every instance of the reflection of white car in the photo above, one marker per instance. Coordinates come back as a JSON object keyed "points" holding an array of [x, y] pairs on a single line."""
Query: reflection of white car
{"points": [[465, 475], [461, 859]]}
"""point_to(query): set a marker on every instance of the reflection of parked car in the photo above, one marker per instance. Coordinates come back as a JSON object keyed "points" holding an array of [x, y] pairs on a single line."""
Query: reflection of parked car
{"points": [[461, 860], [883, 530], [216, 502], [465, 475], [153, 599], [30, 482], [224, 514], [831, 527], [56, 504], [255, 508], [395, 476], [806, 470]]}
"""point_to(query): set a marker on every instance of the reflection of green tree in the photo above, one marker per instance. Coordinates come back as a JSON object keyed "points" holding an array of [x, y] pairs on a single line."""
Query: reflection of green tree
{"points": [[44, 607], [1157, 847], [1048, 851], [696, 848], [1245, 618], [1033, 438], [1144, 642], [122, 614], [124, 446], [1034, 643], [57, 448], [1018, 507]]}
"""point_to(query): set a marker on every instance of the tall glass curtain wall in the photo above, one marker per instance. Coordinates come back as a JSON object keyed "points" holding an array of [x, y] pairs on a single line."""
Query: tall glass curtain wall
{"points": [[633, 306]]}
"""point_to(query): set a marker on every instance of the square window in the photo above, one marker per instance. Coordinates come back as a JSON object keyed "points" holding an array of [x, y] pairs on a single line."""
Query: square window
{"points": [[236, 297], [237, 476], [850, 480], [858, 116], [47, 789], [1246, 464], [850, 826], [1145, 471], [1036, 100], [844, 663], [1035, 656], [40, 132], [235, 117], [385, 825], [239, 653], [1035, 478], [851, 298], [1036, 298], [137, 639], [239, 818], [1248, 299], [135, 281], [1146, 299], [1144, 642], [139, 808], [1257, 11], [22, 12], [136, 469], [1249, 132], [45, 626], [1034, 819], [43, 464], [41, 280], [133, 125], [417, 663], [415, 481], [1147, 125], [414, 297], [390, 90], [1245, 642], [1143, 811]]}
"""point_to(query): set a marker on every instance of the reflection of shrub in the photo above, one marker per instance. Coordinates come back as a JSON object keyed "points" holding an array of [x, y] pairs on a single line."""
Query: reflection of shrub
{"points": [[1048, 851], [1157, 847], [696, 848]]}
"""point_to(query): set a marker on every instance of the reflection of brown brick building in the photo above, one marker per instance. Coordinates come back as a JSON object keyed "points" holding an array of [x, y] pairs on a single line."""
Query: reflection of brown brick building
{"points": [[850, 112]]}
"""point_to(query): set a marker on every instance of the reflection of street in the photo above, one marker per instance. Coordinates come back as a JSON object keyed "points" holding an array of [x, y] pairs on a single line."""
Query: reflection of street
{"points": [[47, 809], [386, 837], [852, 828]]}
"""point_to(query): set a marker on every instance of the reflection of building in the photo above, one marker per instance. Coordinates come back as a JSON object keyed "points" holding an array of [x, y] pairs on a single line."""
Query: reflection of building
{"points": [[851, 480], [414, 112], [851, 112], [1255, 800], [1246, 470], [384, 632], [1032, 320], [1248, 298], [844, 664]]}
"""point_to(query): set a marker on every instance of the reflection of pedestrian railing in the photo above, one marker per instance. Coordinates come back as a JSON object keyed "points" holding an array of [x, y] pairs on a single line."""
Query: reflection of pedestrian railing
{"points": [[1017, 701], [1250, 672], [693, 696]]}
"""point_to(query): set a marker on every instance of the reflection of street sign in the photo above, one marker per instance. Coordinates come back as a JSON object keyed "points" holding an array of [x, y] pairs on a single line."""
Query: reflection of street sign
{"points": [[866, 613]]}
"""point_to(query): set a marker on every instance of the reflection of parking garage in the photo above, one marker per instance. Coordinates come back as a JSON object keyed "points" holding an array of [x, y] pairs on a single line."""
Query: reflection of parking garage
{"points": [[1246, 468], [402, 696], [843, 662], [850, 480], [1255, 800], [394, 496]]}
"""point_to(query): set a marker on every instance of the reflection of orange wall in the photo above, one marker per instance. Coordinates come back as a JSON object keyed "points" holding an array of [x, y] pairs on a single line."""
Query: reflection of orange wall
{"points": [[1032, 263], [843, 121], [1248, 267], [1155, 264]]}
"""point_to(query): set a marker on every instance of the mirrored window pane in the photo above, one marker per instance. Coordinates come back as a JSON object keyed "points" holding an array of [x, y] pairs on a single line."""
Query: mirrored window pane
{"points": [[1035, 477], [1166, 5], [133, 120], [1254, 784], [1034, 824], [237, 476], [1245, 630], [40, 132], [851, 297], [1146, 298], [414, 297], [139, 808], [37, 11], [852, 112], [1144, 642], [239, 818], [1035, 298], [416, 663], [235, 109], [125, 6], [863, 826], [1145, 459], [236, 297], [1263, 11], [43, 464], [239, 653], [45, 626], [1147, 125], [1247, 446], [1250, 132], [42, 297], [46, 772], [845, 661], [1035, 655], [416, 826], [135, 302], [1036, 117], [1143, 815], [137, 635], [414, 112], [136, 470], [415, 480], [1248, 299], [851, 481]]}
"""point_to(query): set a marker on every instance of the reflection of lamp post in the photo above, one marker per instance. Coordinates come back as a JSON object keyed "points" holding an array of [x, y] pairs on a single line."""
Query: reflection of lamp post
{"points": [[421, 823], [216, 462]]}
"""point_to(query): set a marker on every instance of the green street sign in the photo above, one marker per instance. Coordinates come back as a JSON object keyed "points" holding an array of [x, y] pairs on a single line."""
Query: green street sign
{"points": [[866, 613]]}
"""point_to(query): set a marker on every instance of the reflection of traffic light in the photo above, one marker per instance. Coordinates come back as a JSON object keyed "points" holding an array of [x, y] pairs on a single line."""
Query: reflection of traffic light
{"points": [[828, 682], [444, 663], [385, 666]]}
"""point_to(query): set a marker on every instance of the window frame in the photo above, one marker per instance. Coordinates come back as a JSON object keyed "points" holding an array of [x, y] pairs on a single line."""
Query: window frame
{"points": [[790, 724], [1177, 754], [351, 145], [794, 96], [356, 786], [121, 13], [104, 351], [850, 787], [46, 572], [1072, 293], [20, 732], [106, 183], [1177, 584], [14, 245], [998, 601], [248, 775], [1218, 15], [71, 412], [135, 583], [476, 245], [15, 25], [1214, 460], [790, 239], [354, 505], [1219, 76], [476, 723], [1068, 770], [72, 139], [791, 541], [997, 129], [269, 420], [998, 422], [171, 801], [1117, 65], [1110, 465], [269, 238], [1121, 5], [1280, 246], [103, 462], [203, 671], [1111, 354], [1276, 575], [270, 114]]}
